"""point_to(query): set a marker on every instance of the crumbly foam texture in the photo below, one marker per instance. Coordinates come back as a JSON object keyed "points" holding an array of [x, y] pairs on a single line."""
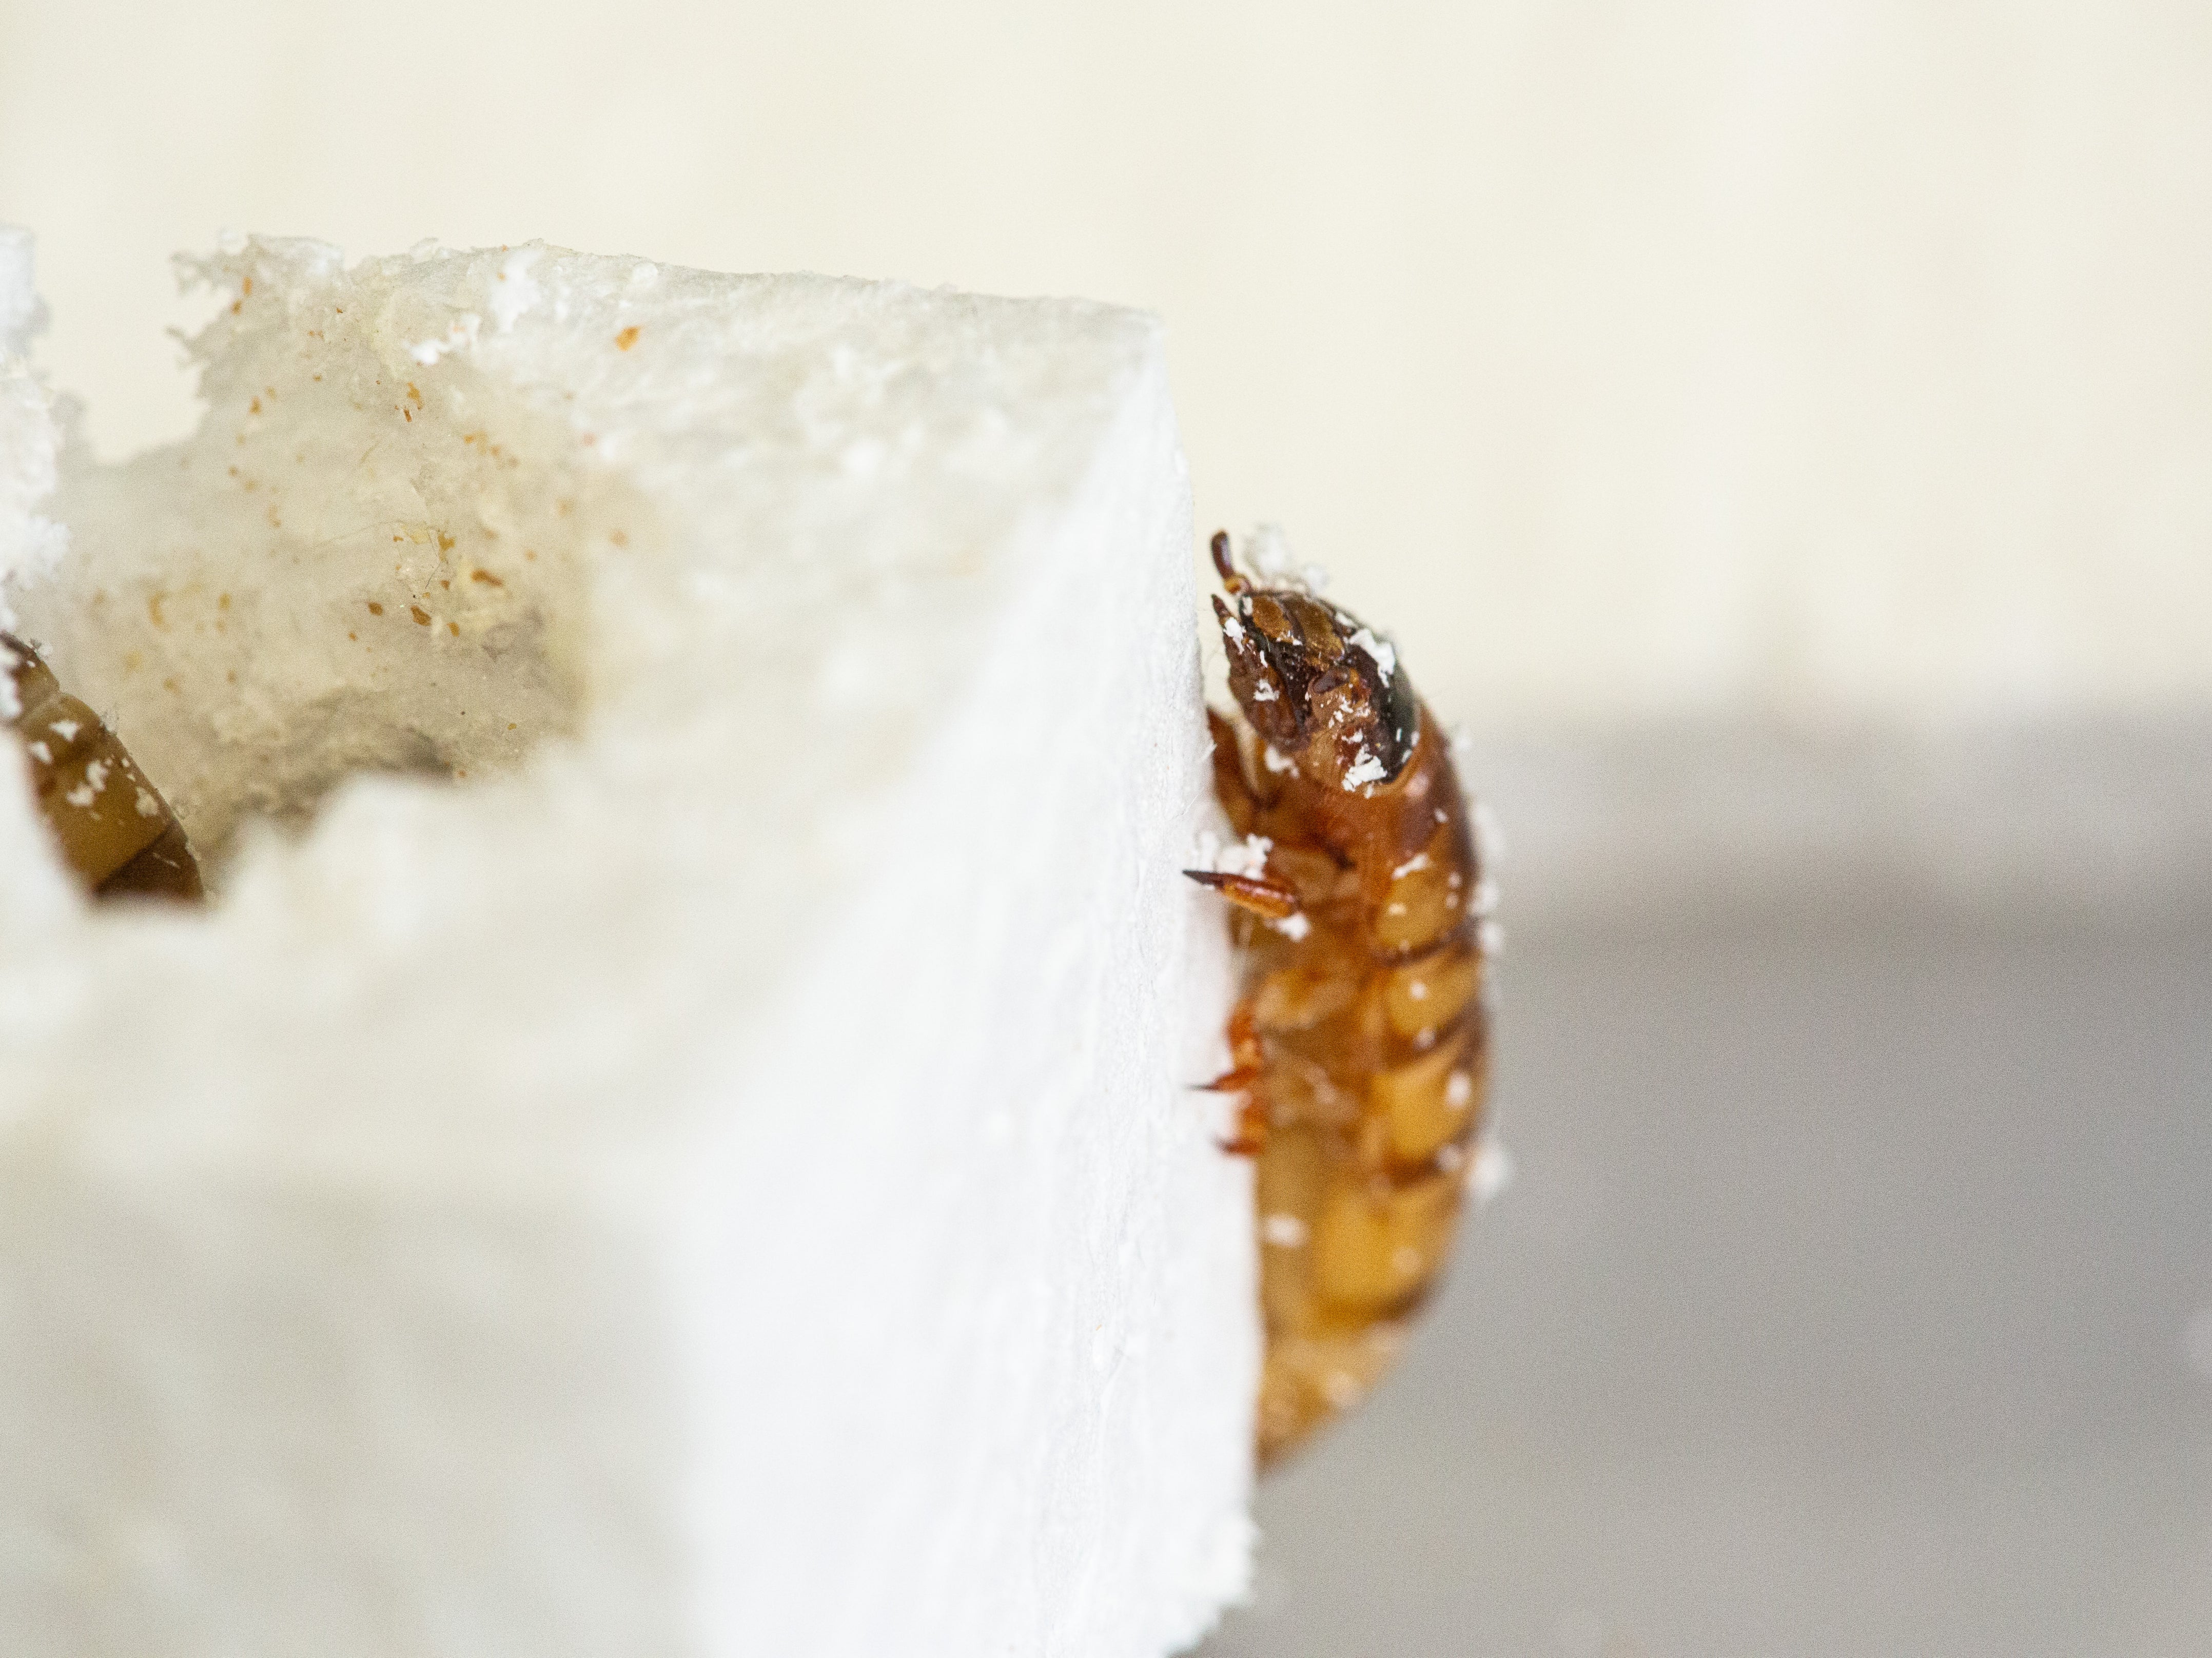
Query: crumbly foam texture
{"points": [[302, 593], [717, 1176]]}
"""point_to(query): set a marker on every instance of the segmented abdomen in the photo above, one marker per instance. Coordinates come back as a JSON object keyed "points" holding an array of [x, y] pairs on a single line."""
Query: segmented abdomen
{"points": [[1361, 1042]]}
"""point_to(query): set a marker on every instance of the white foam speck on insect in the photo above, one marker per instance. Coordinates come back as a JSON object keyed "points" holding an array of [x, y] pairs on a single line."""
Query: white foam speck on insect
{"points": [[710, 1134], [1342, 1389], [1489, 834], [1294, 926], [1386, 656], [1490, 1172], [1365, 768], [1247, 857]]}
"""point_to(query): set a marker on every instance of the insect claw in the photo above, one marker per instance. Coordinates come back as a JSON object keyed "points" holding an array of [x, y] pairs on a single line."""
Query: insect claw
{"points": [[1236, 1081]]}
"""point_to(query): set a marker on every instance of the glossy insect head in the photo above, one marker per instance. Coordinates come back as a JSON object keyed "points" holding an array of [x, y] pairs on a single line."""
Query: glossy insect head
{"points": [[1317, 683]]}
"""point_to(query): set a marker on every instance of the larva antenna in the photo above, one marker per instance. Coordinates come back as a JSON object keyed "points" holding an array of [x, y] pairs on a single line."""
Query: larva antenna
{"points": [[1230, 579]]}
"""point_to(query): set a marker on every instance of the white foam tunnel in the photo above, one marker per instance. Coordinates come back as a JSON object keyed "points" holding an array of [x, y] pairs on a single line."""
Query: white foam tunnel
{"points": [[672, 1135]]}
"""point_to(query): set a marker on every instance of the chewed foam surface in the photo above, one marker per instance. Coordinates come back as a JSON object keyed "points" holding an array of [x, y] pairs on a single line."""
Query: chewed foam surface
{"points": [[395, 546]]}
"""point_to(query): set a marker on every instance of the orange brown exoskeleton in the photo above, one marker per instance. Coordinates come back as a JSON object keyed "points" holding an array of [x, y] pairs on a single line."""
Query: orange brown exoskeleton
{"points": [[114, 829], [1360, 1038]]}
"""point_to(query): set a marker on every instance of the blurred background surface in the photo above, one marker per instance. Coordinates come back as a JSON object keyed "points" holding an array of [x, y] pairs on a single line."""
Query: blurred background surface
{"points": [[1836, 359], [1783, 434], [1851, 1300]]}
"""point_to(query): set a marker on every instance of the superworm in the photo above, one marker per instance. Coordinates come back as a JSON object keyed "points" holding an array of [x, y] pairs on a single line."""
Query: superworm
{"points": [[114, 830], [1359, 1040]]}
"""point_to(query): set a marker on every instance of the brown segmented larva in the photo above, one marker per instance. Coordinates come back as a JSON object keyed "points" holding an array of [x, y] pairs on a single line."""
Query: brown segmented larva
{"points": [[1360, 1037], [115, 830]]}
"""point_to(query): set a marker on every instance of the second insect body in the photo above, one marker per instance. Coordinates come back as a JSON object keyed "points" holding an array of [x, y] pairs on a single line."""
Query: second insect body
{"points": [[113, 827], [1360, 1040]]}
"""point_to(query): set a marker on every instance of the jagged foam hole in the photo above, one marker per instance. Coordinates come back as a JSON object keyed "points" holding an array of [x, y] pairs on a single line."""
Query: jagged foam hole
{"points": [[341, 577]]}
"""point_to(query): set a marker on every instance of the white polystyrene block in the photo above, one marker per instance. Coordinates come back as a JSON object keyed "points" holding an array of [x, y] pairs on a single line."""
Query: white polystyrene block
{"points": [[29, 542], [717, 1178]]}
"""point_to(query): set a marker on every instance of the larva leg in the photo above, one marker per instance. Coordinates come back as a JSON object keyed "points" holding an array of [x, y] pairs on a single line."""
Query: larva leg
{"points": [[1271, 899], [1245, 1075], [1251, 1137]]}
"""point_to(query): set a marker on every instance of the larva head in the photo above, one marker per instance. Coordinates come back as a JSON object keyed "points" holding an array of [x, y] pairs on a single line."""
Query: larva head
{"points": [[1317, 683]]}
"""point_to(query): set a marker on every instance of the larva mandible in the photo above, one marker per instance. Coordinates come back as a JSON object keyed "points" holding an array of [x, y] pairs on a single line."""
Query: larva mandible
{"points": [[115, 830], [1360, 1037]]}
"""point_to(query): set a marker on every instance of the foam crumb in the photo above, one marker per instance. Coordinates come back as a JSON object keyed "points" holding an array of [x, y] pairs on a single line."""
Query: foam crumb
{"points": [[1489, 835], [459, 336], [1386, 656], [1366, 768], [1490, 1172], [1247, 856], [515, 291]]}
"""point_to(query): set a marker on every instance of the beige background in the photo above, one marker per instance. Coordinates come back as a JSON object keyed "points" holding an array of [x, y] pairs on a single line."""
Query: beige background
{"points": [[1822, 362]]}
